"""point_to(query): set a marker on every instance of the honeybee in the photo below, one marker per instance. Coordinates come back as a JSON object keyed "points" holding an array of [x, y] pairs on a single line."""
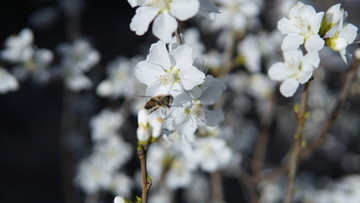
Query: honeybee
{"points": [[160, 101]]}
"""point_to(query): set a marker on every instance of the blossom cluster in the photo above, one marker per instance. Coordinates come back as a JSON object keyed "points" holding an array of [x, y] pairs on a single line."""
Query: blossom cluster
{"points": [[102, 170], [304, 26], [171, 72]]}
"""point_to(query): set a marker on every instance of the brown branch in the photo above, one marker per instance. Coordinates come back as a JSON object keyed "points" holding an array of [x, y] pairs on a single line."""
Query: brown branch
{"points": [[322, 136], [216, 186], [145, 180], [250, 185], [301, 116], [340, 101], [228, 54]]}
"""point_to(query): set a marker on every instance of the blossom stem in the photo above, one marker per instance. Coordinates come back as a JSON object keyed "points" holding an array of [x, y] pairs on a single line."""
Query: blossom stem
{"points": [[301, 116], [321, 137], [179, 39], [250, 186], [216, 186], [145, 179], [228, 54], [341, 98]]}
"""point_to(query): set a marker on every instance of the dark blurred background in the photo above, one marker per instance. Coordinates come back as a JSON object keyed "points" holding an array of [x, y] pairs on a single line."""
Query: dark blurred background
{"points": [[30, 118]]}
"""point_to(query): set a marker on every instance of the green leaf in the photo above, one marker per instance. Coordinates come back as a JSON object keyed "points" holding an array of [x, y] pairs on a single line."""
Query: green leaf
{"points": [[138, 199]]}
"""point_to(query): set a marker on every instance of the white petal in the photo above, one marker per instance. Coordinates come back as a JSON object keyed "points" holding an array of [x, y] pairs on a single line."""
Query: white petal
{"points": [[292, 42], [315, 21], [334, 14], [314, 43], [249, 8], [286, 26], [343, 55], [157, 89], [158, 54], [143, 17], [305, 74], [349, 32], [214, 117], [184, 9], [147, 73], [188, 129], [278, 72], [289, 87], [164, 26], [191, 76], [312, 58], [134, 3], [238, 21], [208, 9], [104, 88], [214, 88], [182, 56]]}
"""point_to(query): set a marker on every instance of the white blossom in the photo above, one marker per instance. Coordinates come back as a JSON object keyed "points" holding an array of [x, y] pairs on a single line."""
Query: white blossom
{"points": [[167, 72], [337, 35], [114, 152], [235, 14], [121, 184], [301, 26], [190, 112], [19, 48], [7, 82], [92, 176], [78, 58], [150, 125], [120, 81], [106, 124], [212, 154], [297, 69], [164, 13]]}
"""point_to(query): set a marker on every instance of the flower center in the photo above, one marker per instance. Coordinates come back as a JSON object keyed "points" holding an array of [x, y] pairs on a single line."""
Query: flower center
{"points": [[304, 27], [170, 77], [163, 5]]}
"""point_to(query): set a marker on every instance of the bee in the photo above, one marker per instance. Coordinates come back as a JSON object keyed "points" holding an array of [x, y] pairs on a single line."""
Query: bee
{"points": [[160, 101]]}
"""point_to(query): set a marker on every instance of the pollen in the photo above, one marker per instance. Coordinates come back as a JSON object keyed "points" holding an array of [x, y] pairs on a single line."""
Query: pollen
{"points": [[170, 77]]}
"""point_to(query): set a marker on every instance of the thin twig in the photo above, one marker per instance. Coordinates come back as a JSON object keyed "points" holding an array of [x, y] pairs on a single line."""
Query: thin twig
{"points": [[298, 143], [179, 39], [340, 101], [228, 54], [216, 187], [322, 136], [145, 180], [246, 179]]}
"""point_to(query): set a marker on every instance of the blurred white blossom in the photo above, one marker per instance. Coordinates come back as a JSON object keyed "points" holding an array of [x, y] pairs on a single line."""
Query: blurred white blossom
{"points": [[7, 82]]}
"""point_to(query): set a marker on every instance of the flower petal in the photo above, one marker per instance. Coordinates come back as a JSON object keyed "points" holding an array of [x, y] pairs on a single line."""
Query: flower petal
{"points": [[291, 42], [314, 43], [349, 32], [158, 54], [214, 117], [143, 17], [312, 59], [147, 73], [164, 26], [278, 72], [191, 76], [286, 26], [182, 56], [184, 9], [289, 87], [157, 89]]}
